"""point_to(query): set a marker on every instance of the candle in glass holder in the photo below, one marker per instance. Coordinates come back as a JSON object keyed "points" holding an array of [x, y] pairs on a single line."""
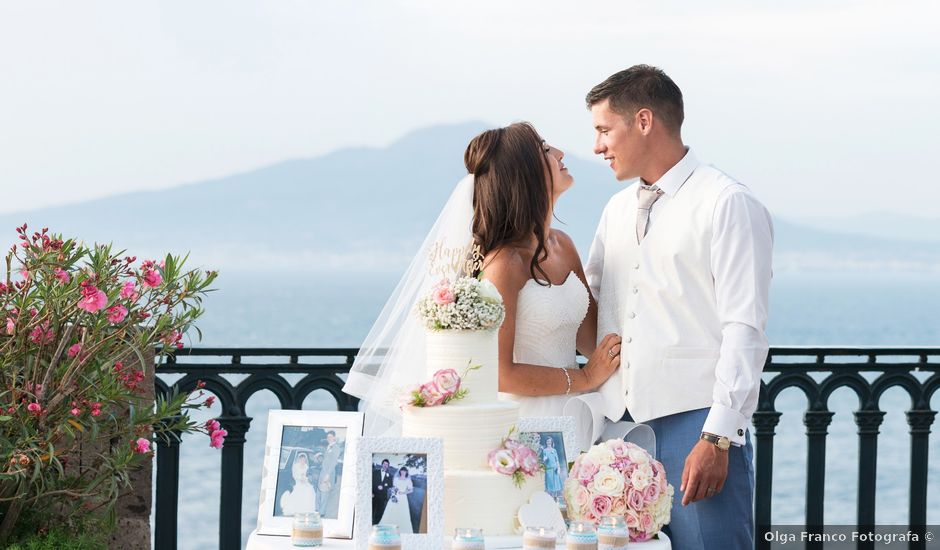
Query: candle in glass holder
{"points": [[308, 529], [384, 537], [467, 538], [581, 536], [536, 538], [612, 533]]}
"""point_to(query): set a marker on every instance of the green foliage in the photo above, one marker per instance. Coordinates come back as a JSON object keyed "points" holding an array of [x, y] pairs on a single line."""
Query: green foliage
{"points": [[78, 325]]}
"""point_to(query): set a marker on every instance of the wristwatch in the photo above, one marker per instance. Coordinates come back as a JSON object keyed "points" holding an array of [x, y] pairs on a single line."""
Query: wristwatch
{"points": [[722, 442]]}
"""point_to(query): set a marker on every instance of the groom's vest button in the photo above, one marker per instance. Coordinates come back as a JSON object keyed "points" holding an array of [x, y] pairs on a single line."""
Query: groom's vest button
{"points": [[627, 339], [632, 315], [636, 290], [626, 365], [636, 265]]}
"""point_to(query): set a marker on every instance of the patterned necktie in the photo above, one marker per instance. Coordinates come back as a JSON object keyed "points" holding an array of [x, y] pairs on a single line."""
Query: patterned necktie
{"points": [[646, 195]]}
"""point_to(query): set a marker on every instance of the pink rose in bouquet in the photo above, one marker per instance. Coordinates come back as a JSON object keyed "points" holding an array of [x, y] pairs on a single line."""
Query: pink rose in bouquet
{"points": [[443, 296], [622, 479]]}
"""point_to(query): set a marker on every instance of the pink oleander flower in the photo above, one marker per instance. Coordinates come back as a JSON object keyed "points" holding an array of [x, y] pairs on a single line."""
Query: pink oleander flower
{"points": [[152, 278], [431, 394], [502, 462], [116, 314], [217, 438], [96, 409], [447, 380], [62, 275], [174, 338], [74, 350], [34, 408], [213, 426], [209, 401], [76, 411], [92, 298], [601, 505], [141, 446], [443, 296], [129, 291], [11, 326], [42, 335]]}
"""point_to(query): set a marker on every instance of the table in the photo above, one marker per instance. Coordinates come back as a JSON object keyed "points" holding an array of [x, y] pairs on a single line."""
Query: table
{"points": [[271, 542]]}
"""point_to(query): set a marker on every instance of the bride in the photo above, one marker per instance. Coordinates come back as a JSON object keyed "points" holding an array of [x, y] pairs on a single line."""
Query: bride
{"points": [[504, 207], [397, 510], [302, 497]]}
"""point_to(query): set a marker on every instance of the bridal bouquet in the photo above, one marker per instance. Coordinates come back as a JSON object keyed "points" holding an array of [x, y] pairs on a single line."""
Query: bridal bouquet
{"points": [[615, 478], [466, 304], [515, 458]]}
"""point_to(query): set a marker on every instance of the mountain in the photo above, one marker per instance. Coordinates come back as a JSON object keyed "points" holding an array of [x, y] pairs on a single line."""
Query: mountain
{"points": [[367, 209], [881, 224]]}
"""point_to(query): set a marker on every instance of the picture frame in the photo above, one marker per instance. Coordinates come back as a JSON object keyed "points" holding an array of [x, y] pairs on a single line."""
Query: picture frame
{"points": [[304, 470], [557, 448], [415, 462]]}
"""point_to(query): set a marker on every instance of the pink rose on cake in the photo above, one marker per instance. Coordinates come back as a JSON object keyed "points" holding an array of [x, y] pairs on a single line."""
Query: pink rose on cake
{"points": [[447, 380], [514, 458], [444, 387]]}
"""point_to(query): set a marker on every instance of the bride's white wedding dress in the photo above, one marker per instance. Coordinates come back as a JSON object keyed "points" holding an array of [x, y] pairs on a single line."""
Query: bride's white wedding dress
{"points": [[399, 513], [547, 322], [302, 498]]}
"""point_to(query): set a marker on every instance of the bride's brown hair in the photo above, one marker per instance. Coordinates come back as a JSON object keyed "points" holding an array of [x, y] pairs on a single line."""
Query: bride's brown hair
{"points": [[510, 197]]}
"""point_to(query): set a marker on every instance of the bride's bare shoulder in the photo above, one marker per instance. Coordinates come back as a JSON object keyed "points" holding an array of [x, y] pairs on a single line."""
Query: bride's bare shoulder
{"points": [[506, 266], [564, 242]]}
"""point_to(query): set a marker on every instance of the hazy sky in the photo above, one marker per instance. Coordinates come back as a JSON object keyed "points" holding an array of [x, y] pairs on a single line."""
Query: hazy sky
{"points": [[821, 109]]}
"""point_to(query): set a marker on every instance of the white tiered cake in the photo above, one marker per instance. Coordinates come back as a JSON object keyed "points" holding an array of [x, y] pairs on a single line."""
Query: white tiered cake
{"points": [[474, 494]]}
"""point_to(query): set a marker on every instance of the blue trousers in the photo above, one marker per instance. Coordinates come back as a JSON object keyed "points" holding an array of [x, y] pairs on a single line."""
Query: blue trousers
{"points": [[722, 522]]}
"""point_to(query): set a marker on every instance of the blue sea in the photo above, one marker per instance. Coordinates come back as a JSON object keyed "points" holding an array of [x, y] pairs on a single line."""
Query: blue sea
{"points": [[266, 309]]}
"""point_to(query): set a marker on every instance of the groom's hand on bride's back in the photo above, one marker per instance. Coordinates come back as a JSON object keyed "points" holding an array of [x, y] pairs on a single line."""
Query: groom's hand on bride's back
{"points": [[603, 362]]}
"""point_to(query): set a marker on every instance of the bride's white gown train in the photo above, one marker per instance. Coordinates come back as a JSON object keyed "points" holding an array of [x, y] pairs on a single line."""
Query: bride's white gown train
{"points": [[399, 513]]}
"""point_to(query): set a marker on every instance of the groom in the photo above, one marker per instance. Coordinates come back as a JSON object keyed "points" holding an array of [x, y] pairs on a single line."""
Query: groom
{"points": [[681, 268]]}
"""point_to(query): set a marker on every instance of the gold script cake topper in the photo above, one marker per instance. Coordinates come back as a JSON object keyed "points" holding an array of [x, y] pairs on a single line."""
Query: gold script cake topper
{"points": [[454, 261]]}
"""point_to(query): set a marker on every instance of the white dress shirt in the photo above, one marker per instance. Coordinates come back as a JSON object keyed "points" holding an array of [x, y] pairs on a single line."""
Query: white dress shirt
{"points": [[741, 247]]}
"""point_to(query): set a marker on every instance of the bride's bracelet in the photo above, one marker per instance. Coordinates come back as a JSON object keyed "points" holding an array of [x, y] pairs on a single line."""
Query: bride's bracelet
{"points": [[568, 376]]}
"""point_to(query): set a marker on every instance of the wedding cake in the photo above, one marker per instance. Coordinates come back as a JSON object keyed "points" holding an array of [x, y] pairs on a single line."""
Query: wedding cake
{"points": [[474, 494]]}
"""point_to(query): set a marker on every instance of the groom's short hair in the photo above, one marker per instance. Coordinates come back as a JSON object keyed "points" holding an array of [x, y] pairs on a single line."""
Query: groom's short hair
{"points": [[641, 86]]}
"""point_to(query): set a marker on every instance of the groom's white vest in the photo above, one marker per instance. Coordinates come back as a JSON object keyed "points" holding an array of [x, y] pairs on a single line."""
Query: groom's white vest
{"points": [[660, 297]]}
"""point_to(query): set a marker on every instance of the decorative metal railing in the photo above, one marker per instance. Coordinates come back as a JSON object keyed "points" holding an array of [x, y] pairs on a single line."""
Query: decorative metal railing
{"points": [[801, 367]]}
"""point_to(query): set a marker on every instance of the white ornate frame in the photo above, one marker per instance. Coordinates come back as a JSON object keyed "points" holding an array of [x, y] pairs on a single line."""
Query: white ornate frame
{"points": [[563, 424], [341, 527], [434, 449]]}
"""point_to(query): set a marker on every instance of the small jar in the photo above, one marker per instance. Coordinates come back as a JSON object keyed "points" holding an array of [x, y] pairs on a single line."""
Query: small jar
{"points": [[581, 536], [467, 538], [308, 529], [537, 538], [612, 533], [384, 537]]}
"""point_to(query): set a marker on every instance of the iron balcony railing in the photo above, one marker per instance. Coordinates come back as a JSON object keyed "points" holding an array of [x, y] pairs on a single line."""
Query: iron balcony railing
{"points": [[817, 371]]}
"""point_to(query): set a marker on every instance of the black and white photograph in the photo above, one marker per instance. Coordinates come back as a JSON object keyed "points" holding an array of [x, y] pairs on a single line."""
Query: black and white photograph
{"points": [[399, 491], [310, 470], [305, 470]]}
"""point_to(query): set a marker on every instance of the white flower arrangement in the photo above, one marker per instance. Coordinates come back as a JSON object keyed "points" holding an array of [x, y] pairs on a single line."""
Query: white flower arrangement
{"points": [[466, 304]]}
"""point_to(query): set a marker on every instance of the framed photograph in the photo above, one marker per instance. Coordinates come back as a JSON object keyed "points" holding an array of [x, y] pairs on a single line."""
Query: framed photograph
{"points": [[303, 470], [400, 481], [553, 439]]}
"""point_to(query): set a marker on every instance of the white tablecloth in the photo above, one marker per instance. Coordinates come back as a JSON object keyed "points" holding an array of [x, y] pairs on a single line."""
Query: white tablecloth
{"points": [[269, 542]]}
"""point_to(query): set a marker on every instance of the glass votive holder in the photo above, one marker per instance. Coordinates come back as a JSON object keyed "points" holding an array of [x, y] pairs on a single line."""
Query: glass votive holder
{"points": [[384, 537], [538, 537], [308, 529], [581, 536], [612, 533], [467, 538]]}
